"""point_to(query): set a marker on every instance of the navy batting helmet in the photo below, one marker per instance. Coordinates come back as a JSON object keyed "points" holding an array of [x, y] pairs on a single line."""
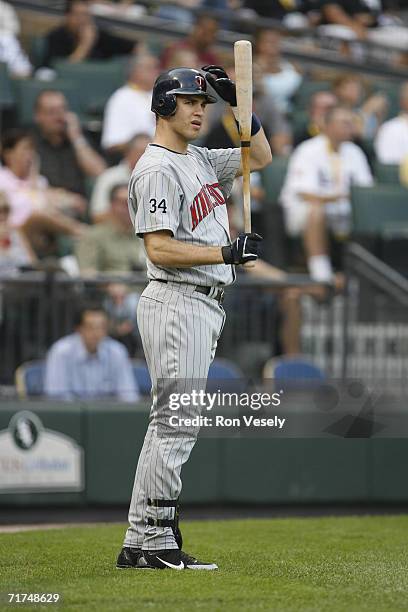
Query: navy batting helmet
{"points": [[179, 81]]}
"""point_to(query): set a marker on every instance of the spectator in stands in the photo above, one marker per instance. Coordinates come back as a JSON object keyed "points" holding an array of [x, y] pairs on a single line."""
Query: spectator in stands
{"points": [[66, 158], [316, 192], [201, 40], [15, 250], [9, 23], [128, 109], [100, 199], [33, 207], [182, 57], [110, 246], [178, 10], [11, 52], [79, 38], [281, 78], [320, 103], [369, 112], [362, 20], [292, 13], [121, 306], [13, 55], [391, 144], [88, 364]]}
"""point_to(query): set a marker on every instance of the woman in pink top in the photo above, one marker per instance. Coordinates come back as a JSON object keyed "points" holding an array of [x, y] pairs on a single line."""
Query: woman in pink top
{"points": [[27, 192]]}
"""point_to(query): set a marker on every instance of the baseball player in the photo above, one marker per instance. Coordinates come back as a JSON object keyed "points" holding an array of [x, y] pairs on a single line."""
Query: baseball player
{"points": [[177, 203]]}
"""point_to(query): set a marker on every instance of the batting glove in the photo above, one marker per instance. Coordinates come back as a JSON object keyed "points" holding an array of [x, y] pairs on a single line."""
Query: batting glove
{"points": [[220, 81], [243, 249]]}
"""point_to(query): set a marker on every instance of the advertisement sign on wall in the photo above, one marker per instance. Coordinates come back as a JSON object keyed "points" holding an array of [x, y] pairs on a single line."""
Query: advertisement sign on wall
{"points": [[36, 459]]}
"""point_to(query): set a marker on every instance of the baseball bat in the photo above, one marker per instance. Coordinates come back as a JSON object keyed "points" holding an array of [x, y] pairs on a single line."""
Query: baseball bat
{"points": [[243, 82]]}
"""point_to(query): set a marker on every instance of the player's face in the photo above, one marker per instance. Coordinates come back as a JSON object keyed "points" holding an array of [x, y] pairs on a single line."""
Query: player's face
{"points": [[93, 329], [188, 119]]}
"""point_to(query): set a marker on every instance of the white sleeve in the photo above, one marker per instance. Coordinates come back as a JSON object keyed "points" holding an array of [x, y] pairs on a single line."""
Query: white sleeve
{"points": [[226, 163], [361, 173], [56, 383], [302, 175], [385, 145], [116, 126], [154, 203]]}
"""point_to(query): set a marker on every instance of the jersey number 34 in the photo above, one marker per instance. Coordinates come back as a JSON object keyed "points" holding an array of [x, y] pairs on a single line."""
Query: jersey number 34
{"points": [[155, 207]]}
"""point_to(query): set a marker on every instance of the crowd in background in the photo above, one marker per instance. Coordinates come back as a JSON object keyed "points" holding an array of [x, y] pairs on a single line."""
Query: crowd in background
{"points": [[63, 191]]}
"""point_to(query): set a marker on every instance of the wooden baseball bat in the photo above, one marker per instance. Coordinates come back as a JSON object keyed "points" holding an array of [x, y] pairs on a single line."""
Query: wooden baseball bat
{"points": [[243, 82]]}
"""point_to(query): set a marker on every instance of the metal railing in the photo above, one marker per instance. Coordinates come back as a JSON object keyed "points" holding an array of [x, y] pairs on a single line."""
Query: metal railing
{"points": [[360, 333], [375, 319], [37, 308]]}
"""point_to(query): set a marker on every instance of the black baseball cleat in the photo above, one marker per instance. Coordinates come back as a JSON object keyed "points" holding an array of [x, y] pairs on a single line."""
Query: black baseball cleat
{"points": [[175, 559], [132, 558]]}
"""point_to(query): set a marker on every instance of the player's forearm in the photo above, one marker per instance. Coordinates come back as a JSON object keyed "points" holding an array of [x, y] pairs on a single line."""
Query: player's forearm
{"points": [[260, 152], [171, 253]]}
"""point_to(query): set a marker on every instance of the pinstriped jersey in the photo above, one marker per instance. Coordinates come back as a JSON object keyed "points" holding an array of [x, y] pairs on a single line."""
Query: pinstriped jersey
{"points": [[186, 194]]}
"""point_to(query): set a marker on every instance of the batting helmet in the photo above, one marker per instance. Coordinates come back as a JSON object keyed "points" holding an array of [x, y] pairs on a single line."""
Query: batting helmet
{"points": [[179, 81]]}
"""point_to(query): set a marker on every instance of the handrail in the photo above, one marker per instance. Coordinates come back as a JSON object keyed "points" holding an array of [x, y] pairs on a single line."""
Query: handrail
{"points": [[361, 262]]}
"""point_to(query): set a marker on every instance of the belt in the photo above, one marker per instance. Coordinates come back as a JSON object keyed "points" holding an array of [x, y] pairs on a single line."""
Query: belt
{"points": [[213, 292]]}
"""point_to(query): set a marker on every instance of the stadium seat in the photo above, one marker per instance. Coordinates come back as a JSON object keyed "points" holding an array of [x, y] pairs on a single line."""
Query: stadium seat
{"points": [[225, 376], [6, 89], [142, 376], [29, 379], [225, 369], [387, 173], [375, 207], [27, 91], [94, 80], [293, 372], [38, 50], [273, 177]]}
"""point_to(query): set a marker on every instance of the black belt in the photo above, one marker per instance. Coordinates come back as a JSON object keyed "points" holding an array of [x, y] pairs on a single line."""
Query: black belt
{"points": [[213, 292]]}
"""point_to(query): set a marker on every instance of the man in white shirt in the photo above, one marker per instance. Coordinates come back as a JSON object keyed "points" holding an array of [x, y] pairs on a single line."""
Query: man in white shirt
{"points": [[128, 110], [391, 144], [316, 192], [100, 199]]}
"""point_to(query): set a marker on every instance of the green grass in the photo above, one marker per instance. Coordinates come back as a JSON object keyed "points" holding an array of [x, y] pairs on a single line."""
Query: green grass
{"points": [[327, 564]]}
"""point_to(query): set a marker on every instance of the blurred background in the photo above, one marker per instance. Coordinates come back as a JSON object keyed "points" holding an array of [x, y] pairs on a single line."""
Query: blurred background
{"points": [[326, 302]]}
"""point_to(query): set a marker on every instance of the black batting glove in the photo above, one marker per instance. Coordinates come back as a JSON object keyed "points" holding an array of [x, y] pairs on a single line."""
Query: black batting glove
{"points": [[243, 249], [220, 81]]}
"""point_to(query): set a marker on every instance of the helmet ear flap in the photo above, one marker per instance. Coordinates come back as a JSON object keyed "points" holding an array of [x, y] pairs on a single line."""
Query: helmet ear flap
{"points": [[166, 105]]}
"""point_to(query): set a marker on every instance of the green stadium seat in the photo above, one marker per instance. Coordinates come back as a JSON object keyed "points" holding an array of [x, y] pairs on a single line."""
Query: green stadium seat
{"points": [[27, 91], [38, 50], [95, 81], [373, 208], [299, 120], [387, 173], [273, 177], [6, 90]]}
